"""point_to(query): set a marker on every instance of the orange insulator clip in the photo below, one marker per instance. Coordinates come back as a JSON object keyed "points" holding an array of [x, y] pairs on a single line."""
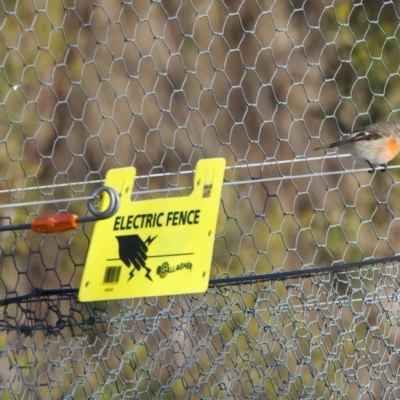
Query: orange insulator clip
{"points": [[54, 223]]}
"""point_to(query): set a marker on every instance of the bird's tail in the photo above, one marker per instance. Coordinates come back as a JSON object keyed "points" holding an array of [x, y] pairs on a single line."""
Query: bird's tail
{"points": [[328, 146]]}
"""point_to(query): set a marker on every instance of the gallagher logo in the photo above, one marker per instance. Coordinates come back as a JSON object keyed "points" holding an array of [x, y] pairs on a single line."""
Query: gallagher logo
{"points": [[164, 269]]}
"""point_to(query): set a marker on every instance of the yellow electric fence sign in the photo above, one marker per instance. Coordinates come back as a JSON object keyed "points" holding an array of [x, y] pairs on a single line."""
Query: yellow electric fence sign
{"points": [[154, 247]]}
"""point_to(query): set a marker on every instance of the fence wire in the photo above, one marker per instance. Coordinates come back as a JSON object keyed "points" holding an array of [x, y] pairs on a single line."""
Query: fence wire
{"points": [[86, 86]]}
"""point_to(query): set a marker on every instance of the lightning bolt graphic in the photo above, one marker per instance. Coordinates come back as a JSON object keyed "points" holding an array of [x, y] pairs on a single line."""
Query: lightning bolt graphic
{"points": [[148, 273], [149, 240], [131, 274]]}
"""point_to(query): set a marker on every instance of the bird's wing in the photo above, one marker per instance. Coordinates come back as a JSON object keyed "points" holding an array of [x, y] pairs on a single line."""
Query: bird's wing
{"points": [[362, 134], [370, 132]]}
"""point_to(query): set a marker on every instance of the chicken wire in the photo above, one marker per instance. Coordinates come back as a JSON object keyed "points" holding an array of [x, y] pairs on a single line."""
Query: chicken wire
{"points": [[89, 86]]}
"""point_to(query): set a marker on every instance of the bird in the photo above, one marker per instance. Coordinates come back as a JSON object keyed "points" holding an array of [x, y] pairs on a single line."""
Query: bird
{"points": [[375, 144]]}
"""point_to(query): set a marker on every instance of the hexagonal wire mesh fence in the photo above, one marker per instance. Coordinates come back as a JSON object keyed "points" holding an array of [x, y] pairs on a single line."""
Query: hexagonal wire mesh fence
{"points": [[89, 86]]}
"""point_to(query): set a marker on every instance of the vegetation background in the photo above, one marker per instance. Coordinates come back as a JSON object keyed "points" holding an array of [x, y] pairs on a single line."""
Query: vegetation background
{"points": [[86, 86]]}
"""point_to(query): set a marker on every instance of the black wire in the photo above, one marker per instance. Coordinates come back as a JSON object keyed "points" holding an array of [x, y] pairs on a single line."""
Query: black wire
{"points": [[5, 228], [230, 281], [302, 273], [37, 292]]}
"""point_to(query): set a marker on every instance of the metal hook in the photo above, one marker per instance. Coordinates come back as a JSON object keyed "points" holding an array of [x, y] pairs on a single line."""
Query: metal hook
{"points": [[65, 222], [107, 213]]}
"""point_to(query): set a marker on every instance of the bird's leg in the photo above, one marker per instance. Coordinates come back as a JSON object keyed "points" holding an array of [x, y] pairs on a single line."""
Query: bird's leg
{"points": [[384, 166], [373, 168]]}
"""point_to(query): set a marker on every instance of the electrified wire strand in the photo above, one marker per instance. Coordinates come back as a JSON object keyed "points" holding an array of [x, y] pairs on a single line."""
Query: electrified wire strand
{"points": [[167, 174], [183, 188]]}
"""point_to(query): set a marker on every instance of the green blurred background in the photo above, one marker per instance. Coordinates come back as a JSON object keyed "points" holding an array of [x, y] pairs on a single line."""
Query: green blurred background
{"points": [[86, 86]]}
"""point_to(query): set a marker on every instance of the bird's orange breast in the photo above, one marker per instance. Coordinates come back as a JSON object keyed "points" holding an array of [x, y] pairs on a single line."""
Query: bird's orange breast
{"points": [[394, 147]]}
